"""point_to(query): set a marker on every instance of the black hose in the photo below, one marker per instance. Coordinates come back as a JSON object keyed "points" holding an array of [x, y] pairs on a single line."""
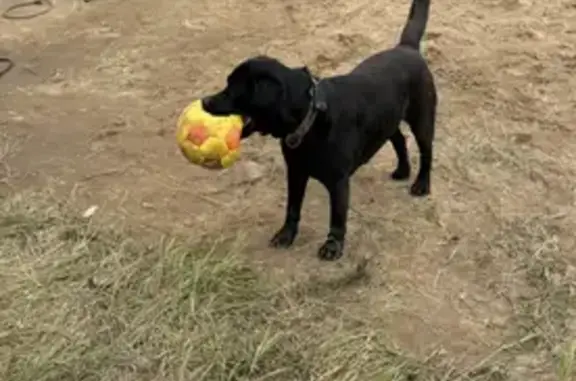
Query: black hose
{"points": [[9, 64], [7, 14], [46, 4]]}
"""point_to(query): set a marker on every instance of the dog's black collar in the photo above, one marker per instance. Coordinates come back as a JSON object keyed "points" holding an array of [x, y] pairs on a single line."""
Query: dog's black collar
{"points": [[317, 103]]}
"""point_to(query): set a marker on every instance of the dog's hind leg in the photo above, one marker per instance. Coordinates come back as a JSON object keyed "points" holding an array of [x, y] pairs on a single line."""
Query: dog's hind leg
{"points": [[402, 171], [421, 117]]}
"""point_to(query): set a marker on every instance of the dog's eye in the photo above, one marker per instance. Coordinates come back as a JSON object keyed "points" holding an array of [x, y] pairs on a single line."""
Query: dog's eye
{"points": [[250, 88], [231, 94]]}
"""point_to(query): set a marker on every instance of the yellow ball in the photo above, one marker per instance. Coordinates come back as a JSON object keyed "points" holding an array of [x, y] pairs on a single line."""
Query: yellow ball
{"points": [[207, 140]]}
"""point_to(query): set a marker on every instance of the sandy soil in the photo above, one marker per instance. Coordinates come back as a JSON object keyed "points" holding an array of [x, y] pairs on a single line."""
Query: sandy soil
{"points": [[89, 111]]}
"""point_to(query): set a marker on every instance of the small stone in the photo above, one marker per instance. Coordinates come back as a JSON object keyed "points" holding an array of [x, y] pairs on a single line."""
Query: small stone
{"points": [[254, 171], [90, 211]]}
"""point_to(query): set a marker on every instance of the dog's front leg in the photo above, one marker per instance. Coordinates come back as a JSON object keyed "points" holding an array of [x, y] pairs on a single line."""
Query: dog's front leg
{"points": [[339, 192], [297, 181]]}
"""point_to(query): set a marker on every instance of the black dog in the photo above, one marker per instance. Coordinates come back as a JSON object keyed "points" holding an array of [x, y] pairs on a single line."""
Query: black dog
{"points": [[330, 127]]}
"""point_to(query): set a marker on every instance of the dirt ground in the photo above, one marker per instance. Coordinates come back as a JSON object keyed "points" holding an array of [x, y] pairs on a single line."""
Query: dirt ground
{"points": [[483, 266]]}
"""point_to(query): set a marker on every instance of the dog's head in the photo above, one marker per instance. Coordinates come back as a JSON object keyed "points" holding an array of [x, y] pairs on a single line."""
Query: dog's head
{"points": [[270, 96]]}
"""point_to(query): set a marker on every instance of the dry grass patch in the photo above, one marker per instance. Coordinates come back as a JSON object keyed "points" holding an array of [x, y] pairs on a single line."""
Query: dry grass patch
{"points": [[538, 279], [81, 302], [7, 149]]}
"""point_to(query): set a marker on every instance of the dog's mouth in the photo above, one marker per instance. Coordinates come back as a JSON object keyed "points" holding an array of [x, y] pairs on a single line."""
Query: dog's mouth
{"points": [[249, 127]]}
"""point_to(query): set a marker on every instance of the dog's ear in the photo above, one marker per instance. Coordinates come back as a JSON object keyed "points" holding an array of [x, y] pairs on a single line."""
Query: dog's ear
{"points": [[266, 92], [270, 94]]}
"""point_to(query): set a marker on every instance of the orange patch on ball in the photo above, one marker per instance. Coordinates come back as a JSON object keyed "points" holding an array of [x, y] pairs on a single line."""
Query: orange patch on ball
{"points": [[197, 134], [233, 139]]}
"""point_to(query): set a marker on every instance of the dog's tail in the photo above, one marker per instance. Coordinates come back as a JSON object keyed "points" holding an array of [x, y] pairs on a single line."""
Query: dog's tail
{"points": [[416, 24]]}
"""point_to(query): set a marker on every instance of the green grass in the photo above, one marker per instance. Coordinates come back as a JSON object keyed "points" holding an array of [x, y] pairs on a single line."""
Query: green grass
{"points": [[81, 302]]}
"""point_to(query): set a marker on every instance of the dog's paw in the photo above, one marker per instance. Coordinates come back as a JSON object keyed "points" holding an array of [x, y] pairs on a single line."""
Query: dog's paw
{"points": [[401, 173], [331, 250], [283, 238], [420, 188]]}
